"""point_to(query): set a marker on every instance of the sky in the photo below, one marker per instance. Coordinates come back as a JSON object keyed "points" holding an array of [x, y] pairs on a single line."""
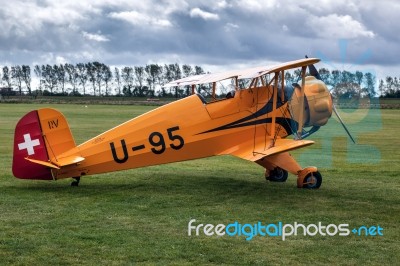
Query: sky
{"points": [[216, 34]]}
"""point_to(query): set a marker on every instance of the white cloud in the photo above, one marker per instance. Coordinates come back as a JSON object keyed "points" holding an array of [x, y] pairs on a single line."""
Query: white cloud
{"points": [[257, 6], [94, 37], [285, 28], [22, 18], [222, 4], [197, 12], [139, 19], [61, 60], [325, 7], [337, 26], [80, 30], [230, 27]]}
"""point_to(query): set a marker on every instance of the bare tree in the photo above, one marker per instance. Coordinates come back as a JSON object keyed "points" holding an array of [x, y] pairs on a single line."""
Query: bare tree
{"points": [[381, 87], [389, 85], [6, 76], [50, 77], [72, 76], [106, 76], [59, 71], [98, 75], [325, 75], [16, 75], [187, 71], [176, 74], [335, 80], [38, 73], [127, 78], [153, 72], [359, 77], [82, 75], [117, 78], [26, 77], [370, 81], [91, 73], [139, 74], [198, 70]]}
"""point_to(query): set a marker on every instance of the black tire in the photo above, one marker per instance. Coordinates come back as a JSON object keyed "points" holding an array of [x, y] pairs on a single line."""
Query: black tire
{"points": [[278, 175], [313, 180], [75, 183]]}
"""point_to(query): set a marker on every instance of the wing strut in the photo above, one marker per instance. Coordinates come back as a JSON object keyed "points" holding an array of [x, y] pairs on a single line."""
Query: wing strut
{"points": [[301, 115]]}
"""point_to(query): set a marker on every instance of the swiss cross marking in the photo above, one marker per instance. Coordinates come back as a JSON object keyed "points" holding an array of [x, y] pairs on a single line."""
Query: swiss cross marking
{"points": [[28, 144]]}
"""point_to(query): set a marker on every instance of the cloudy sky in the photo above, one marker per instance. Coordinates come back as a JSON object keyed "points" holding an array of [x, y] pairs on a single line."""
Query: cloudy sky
{"points": [[215, 34]]}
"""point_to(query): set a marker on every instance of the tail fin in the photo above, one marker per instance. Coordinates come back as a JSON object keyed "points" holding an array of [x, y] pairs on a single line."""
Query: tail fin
{"points": [[40, 137]]}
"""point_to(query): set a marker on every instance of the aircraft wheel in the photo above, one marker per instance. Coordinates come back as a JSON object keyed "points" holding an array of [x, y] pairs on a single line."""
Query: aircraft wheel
{"points": [[75, 183], [313, 180], [277, 175]]}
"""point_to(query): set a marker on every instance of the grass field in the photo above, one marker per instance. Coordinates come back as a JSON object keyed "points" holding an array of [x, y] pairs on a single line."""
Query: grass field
{"points": [[141, 216]]}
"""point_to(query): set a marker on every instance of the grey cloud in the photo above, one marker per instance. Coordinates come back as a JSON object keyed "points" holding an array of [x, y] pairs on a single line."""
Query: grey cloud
{"points": [[216, 33]]}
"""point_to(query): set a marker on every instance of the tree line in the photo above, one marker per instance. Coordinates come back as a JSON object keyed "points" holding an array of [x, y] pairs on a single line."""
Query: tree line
{"points": [[98, 79], [390, 87], [343, 83]]}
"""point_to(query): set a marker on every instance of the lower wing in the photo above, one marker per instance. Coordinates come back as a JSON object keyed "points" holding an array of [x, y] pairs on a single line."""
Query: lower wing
{"points": [[258, 151]]}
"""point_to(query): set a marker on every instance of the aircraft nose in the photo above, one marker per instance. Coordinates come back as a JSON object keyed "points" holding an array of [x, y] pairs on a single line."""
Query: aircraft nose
{"points": [[319, 104]]}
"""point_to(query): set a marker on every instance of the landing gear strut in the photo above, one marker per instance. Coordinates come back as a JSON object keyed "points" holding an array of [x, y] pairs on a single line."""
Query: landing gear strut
{"points": [[75, 183]]}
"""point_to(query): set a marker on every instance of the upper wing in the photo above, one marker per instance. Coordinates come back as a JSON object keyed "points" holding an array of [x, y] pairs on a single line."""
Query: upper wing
{"points": [[186, 81], [240, 74], [290, 65]]}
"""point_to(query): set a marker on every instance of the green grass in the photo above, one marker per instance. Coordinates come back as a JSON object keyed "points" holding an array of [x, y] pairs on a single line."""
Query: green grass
{"points": [[141, 216]]}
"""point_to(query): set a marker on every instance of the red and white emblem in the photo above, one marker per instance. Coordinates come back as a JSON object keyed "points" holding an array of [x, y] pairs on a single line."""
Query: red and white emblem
{"points": [[29, 144], [29, 141]]}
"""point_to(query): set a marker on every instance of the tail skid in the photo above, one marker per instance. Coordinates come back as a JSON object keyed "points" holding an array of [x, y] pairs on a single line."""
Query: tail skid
{"points": [[40, 137]]}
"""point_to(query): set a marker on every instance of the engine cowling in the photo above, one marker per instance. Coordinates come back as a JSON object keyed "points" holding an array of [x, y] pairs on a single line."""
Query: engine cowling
{"points": [[317, 103]]}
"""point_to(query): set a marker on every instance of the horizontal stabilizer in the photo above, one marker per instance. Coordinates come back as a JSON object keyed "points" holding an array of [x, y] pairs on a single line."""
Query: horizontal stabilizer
{"points": [[59, 163], [69, 160], [47, 164]]}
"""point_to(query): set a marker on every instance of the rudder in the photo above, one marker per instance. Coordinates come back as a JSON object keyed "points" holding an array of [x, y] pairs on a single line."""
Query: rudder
{"points": [[40, 136]]}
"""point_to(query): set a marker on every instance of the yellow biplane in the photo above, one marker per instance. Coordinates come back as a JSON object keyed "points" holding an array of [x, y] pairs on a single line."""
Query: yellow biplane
{"points": [[252, 122]]}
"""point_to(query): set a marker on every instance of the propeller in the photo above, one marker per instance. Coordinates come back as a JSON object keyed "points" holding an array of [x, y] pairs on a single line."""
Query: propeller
{"points": [[341, 122], [314, 72]]}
